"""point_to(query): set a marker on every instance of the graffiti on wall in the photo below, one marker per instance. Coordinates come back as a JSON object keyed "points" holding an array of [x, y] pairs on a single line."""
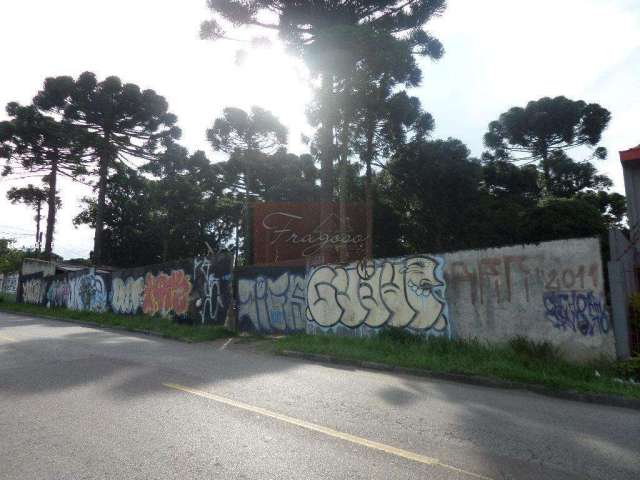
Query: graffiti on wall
{"points": [[273, 304], [580, 312], [33, 291], [571, 302], [164, 293], [211, 304], [127, 294], [87, 292], [405, 293], [493, 279], [9, 283], [159, 289], [58, 294]]}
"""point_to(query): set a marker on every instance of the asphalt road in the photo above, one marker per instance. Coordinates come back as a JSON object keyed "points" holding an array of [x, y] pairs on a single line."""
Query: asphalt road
{"points": [[84, 403]]}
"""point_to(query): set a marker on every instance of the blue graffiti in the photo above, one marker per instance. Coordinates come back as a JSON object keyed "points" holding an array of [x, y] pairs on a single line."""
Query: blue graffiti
{"points": [[273, 304], [580, 312]]}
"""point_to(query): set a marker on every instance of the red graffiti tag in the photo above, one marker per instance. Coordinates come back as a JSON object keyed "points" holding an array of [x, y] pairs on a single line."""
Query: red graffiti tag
{"points": [[164, 293]]}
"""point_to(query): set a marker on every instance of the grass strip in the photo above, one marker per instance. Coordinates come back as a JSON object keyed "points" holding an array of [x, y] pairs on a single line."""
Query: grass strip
{"points": [[518, 361], [136, 323]]}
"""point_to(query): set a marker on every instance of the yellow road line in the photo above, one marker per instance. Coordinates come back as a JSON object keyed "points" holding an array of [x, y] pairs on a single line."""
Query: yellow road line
{"points": [[416, 457], [7, 338]]}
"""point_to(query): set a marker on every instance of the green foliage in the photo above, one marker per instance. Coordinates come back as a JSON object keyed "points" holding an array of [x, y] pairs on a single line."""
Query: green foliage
{"points": [[237, 130], [301, 24], [399, 335], [523, 362], [432, 188], [433, 197], [133, 323], [542, 132], [168, 217], [29, 195], [611, 205], [563, 218], [534, 350], [629, 368], [11, 258], [567, 178], [117, 120], [35, 143], [545, 126], [360, 50]]}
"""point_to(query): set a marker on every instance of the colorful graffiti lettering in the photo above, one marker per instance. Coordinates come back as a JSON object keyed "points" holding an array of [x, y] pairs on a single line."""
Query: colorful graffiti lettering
{"points": [[33, 291], [127, 295], [87, 292], [405, 293], [273, 304], [166, 293], [580, 312]]}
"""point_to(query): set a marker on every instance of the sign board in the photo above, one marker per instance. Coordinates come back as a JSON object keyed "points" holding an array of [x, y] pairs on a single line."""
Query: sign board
{"points": [[308, 233]]}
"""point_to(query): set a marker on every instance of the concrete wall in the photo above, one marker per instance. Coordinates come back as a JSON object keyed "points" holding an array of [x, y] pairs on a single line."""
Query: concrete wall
{"points": [[9, 284], [359, 298], [34, 265], [271, 299], [193, 291], [552, 292]]}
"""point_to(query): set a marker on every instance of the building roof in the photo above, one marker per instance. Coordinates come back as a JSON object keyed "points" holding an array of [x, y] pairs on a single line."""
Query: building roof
{"points": [[631, 154]]}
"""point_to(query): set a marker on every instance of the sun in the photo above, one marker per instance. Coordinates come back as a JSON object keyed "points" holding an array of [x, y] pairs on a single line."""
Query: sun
{"points": [[270, 78]]}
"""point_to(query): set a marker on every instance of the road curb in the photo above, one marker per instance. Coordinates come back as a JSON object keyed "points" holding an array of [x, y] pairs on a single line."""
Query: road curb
{"points": [[600, 399]]}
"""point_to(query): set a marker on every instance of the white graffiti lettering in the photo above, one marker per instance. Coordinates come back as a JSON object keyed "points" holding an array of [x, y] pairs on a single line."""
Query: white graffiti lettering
{"points": [[127, 295], [211, 305], [404, 293], [33, 291]]}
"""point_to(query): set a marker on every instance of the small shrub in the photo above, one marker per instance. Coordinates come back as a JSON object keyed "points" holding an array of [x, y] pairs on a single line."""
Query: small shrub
{"points": [[530, 349], [399, 335], [629, 368]]}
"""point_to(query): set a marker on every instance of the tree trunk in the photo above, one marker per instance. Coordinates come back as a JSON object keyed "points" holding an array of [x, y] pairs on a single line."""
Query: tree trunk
{"points": [[368, 190], [235, 261], [38, 220], [165, 249], [546, 174], [326, 139], [246, 218], [51, 206], [103, 173], [344, 158]]}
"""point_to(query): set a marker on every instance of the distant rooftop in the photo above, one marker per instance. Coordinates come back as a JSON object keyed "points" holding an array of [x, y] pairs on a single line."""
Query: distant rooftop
{"points": [[37, 265]]}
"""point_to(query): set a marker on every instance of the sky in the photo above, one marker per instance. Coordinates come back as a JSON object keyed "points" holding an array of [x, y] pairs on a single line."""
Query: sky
{"points": [[499, 54]]}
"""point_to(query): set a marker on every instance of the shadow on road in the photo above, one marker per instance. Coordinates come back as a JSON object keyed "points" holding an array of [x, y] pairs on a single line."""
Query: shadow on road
{"points": [[60, 355], [526, 435], [511, 434]]}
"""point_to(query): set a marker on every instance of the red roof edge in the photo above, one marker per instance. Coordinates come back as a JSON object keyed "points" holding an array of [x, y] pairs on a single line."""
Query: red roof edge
{"points": [[631, 154]]}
